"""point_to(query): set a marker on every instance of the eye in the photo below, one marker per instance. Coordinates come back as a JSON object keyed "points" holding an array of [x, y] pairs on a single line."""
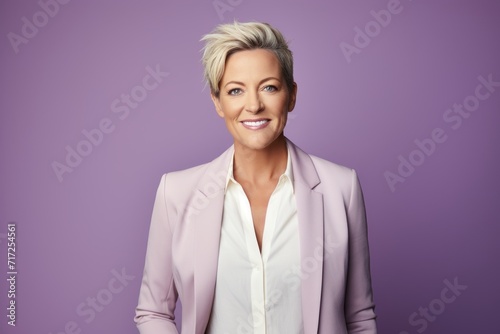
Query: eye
{"points": [[234, 91], [270, 88]]}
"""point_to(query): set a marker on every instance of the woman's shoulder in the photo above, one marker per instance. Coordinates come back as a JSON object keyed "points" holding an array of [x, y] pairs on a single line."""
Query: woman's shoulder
{"points": [[329, 174], [321, 165], [197, 176], [325, 165], [186, 178]]}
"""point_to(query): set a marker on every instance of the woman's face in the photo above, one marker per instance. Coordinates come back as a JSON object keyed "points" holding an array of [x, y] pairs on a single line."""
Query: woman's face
{"points": [[254, 100]]}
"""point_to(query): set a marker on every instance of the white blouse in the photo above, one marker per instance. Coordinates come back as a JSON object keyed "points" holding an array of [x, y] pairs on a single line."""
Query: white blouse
{"points": [[254, 293]]}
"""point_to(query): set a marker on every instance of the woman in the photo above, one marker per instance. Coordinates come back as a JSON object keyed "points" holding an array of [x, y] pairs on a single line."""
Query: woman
{"points": [[265, 238]]}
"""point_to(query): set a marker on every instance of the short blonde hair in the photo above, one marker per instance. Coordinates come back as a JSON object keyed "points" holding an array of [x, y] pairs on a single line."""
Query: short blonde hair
{"points": [[227, 39]]}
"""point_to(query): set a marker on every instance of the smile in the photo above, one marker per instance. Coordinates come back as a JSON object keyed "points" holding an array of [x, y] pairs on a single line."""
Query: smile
{"points": [[255, 125]]}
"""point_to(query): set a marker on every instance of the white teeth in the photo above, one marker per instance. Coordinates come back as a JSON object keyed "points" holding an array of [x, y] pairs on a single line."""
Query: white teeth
{"points": [[258, 123]]}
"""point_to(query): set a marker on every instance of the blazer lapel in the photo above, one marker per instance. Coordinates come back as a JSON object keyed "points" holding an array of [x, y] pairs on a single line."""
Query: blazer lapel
{"points": [[310, 215], [207, 227]]}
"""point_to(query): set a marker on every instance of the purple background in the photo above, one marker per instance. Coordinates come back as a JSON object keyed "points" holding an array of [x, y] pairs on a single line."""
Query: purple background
{"points": [[442, 223]]}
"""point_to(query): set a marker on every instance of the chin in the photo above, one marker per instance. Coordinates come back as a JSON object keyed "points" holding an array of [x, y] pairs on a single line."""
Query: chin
{"points": [[257, 143]]}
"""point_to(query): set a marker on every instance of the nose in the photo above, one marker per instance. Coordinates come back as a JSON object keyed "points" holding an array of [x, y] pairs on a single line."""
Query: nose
{"points": [[253, 103]]}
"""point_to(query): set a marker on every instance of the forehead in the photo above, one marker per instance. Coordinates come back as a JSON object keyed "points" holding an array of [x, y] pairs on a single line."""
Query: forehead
{"points": [[251, 64]]}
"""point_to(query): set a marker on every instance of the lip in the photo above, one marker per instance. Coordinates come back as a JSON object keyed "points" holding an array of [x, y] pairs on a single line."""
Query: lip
{"points": [[255, 124]]}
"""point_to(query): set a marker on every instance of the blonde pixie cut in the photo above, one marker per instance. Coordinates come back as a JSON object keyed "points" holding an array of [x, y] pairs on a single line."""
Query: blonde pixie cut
{"points": [[227, 39]]}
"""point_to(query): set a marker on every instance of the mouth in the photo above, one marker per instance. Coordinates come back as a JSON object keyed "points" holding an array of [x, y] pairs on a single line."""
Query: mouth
{"points": [[255, 124]]}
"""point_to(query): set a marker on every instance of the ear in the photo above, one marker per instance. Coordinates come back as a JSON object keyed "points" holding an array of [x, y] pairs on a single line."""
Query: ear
{"points": [[292, 97], [217, 105]]}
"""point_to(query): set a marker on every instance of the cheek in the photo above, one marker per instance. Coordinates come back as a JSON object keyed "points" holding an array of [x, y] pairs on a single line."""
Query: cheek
{"points": [[230, 108], [282, 106]]}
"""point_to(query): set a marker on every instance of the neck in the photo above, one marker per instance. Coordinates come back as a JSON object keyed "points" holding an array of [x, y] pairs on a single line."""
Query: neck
{"points": [[260, 166]]}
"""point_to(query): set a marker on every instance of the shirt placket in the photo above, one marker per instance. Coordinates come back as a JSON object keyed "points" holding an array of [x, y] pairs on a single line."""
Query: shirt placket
{"points": [[258, 259], [257, 272]]}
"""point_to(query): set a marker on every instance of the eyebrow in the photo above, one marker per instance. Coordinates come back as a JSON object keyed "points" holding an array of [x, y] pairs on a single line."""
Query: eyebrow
{"points": [[260, 82]]}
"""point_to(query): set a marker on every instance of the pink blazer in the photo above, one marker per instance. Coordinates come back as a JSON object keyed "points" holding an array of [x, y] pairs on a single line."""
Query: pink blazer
{"points": [[183, 246]]}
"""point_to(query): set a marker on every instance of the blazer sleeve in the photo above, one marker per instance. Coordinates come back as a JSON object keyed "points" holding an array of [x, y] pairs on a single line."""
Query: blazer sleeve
{"points": [[158, 295], [359, 305]]}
